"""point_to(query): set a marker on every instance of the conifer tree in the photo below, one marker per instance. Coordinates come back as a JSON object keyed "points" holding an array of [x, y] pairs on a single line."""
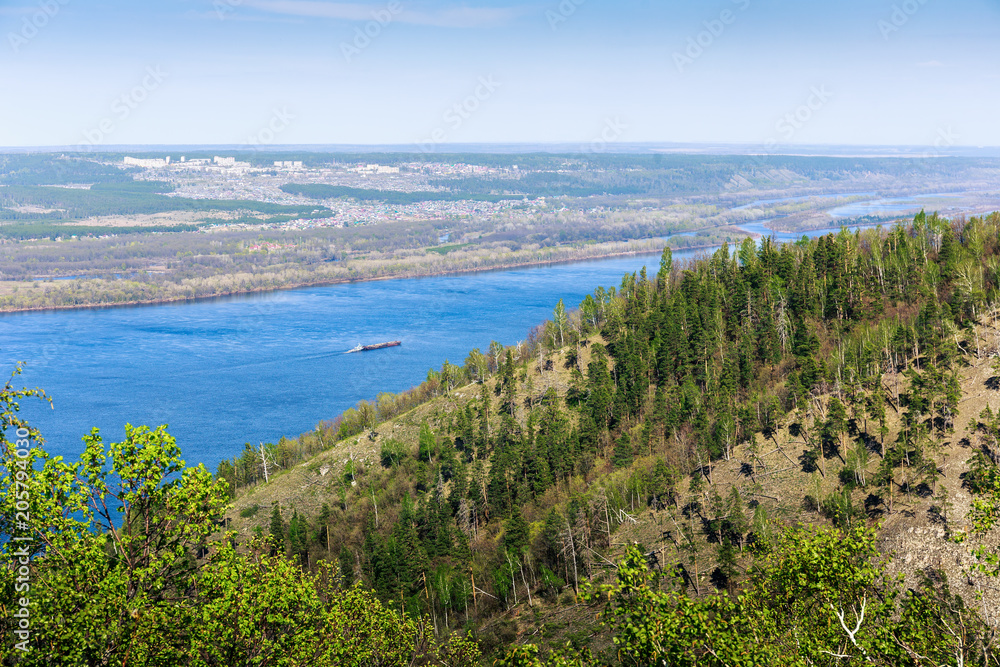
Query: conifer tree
{"points": [[321, 530], [298, 540], [345, 559], [516, 532], [623, 451], [277, 531], [599, 386]]}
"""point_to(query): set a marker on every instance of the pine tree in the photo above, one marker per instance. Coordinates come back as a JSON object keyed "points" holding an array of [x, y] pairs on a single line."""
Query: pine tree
{"points": [[516, 532], [737, 523], [663, 482], [277, 531], [298, 541], [552, 437], [346, 562], [321, 531], [507, 387], [623, 451], [727, 564], [600, 387], [835, 426], [485, 412]]}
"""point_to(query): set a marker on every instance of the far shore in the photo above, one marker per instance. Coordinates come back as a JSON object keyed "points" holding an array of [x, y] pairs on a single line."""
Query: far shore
{"points": [[323, 283]]}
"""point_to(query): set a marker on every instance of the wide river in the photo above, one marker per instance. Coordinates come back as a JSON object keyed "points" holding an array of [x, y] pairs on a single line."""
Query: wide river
{"points": [[252, 368]]}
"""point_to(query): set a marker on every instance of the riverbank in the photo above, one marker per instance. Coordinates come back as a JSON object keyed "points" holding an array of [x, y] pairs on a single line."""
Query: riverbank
{"points": [[197, 366], [603, 251]]}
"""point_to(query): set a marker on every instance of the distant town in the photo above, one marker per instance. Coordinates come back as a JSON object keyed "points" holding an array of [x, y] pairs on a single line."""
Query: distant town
{"points": [[229, 178]]}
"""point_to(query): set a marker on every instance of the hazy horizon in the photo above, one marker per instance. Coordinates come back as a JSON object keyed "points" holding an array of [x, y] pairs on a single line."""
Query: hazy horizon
{"points": [[622, 148], [435, 73]]}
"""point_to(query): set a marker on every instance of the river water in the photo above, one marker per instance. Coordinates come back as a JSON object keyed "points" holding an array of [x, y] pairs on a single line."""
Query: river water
{"points": [[252, 368]]}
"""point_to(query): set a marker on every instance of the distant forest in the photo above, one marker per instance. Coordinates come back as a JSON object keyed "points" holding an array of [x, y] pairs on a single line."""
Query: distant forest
{"points": [[320, 191], [52, 169], [128, 198], [580, 206]]}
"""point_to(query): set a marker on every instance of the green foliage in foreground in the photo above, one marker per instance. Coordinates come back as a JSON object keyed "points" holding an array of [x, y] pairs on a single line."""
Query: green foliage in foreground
{"points": [[117, 574], [118, 560], [817, 597]]}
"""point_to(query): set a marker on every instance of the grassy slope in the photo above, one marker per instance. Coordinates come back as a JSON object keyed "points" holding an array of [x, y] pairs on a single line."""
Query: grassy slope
{"points": [[911, 533]]}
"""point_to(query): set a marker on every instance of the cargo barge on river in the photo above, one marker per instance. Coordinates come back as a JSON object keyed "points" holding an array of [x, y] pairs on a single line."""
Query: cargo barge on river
{"points": [[377, 346]]}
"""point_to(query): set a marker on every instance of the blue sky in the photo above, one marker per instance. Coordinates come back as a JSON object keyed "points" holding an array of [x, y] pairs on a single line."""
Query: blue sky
{"points": [[759, 72]]}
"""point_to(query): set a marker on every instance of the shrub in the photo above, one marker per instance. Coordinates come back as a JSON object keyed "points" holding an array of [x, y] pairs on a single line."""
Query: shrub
{"points": [[250, 512]]}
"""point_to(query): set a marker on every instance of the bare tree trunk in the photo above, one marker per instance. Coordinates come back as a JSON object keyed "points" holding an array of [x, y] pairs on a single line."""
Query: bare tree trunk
{"points": [[526, 586], [513, 581]]}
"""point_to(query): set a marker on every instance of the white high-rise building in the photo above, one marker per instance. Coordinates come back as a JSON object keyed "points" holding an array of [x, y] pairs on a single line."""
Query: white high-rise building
{"points": [[152, 163]]}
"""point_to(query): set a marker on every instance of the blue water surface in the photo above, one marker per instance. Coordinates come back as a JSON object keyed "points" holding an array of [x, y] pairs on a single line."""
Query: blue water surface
{"points": [[252, 368]]}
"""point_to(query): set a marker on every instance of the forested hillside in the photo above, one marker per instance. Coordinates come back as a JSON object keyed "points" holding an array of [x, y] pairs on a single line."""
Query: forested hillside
{"points": [[130, 198], [726, 463]]}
